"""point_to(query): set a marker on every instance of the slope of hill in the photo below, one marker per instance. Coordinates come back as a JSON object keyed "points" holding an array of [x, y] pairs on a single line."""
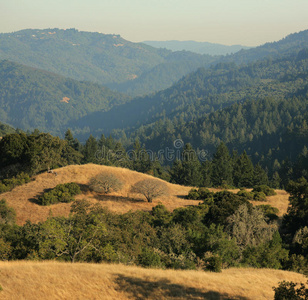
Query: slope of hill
{"points": [[32, 98], [198, 47], [52, 280], [283, 47], [6, 129], [205, 91], [90, 56], [22, 198]]}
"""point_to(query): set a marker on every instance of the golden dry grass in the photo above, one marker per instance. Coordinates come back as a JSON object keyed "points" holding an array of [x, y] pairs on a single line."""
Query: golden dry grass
{"points": [[54, 280], [21, 198]]}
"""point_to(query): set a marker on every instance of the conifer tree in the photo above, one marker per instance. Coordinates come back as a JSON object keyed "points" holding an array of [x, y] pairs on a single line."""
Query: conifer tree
{"points": [[90, 150], [222, 166], [243, 171], [259, 176], [191, 167]]}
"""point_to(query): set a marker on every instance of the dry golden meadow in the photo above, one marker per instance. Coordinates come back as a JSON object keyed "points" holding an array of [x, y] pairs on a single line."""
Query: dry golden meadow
{"points": [[54, 280], [22, 198]]}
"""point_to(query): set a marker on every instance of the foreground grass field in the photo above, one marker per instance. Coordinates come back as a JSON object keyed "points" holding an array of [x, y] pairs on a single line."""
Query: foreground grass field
{"points": [[53, 280], [22, 198]]}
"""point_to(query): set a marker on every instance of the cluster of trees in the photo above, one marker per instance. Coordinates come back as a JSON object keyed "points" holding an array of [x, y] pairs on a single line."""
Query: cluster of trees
{"points": [[224, 170], [224, 230], [34, 153]]}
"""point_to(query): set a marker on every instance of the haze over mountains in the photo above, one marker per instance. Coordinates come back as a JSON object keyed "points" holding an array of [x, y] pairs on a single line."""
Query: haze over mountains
{"points": [[197, 47], [102, 58]]}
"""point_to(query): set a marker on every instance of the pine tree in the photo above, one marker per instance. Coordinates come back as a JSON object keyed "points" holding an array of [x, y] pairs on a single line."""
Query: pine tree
{"points": [[259, 176], [191, 167], [72, 142], [222, 166], [90, 150], [243, 171], [176, 172]]}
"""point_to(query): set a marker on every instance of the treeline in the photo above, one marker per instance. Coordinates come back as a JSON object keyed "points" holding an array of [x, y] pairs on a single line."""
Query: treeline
{"points": [[223, 231], [274, 133], [209, 90], [37, 152]]}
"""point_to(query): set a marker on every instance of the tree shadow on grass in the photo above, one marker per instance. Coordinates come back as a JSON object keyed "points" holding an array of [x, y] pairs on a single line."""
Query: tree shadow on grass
{"points": [[36, 198], [114, 198], [141, 289]]}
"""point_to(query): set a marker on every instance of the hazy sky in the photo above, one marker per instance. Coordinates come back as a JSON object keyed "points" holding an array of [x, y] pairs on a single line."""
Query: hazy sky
{"points": [[246, 22]]}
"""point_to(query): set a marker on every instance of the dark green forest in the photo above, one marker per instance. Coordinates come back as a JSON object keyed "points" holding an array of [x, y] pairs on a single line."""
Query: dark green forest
{"points": [[31, 98]]}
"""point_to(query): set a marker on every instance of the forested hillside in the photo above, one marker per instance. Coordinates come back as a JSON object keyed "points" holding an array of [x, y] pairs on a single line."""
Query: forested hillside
{"points": [[206, 91], [35, 99], [103, 58], [6, 129]]}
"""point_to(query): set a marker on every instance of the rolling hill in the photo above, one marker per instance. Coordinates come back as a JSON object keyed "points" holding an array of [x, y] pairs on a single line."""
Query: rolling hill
{"points": [[35, 99], [53, 280], [6, 129], [206, 91], [22, 198], [102, 58]]}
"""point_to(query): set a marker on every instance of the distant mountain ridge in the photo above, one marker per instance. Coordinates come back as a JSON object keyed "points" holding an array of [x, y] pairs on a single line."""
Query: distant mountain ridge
{"points": [[106, 59], [31, 98], [197, 47]]}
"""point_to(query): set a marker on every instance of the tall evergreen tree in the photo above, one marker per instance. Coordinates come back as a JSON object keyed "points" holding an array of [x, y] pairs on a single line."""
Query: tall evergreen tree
{"points": [[222, 166], [243, 171], [90, 150], [259, 176], [191, 167]]}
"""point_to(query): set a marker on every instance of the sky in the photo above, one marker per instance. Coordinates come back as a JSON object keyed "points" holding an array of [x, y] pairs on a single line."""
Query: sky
{"points": [[228, 22]]}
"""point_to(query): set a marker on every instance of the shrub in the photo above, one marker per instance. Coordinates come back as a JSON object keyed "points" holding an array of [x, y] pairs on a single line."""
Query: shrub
{"points": [[290, 290], [7, 214], [269, 212], [193, 195], [212, 262], [61, 193], [200, 194], [264, 189], [8, 184], [150, 188], [259, 196], [149, 258], [106, 183], [247, 195]]}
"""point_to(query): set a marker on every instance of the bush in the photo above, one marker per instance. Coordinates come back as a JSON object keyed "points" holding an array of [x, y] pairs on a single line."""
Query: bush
{"points": [[7, 214], [193, 195], [264, 189], [61, 193], [200, 194], [290, 290], [212, 262], [269, 212], [259, 196], [247, 195], [106, 183], [148, 258], [8, 184]]}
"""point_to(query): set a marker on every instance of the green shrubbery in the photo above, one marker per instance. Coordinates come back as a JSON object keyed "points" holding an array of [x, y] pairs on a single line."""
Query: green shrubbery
{"points": [[290, 290], [200, 194], [61, 193], [7, 185], [264, 189]]}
